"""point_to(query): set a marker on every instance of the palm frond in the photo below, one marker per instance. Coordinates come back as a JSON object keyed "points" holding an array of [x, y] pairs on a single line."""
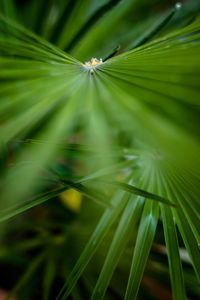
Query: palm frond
{"points": [[122, 131]]}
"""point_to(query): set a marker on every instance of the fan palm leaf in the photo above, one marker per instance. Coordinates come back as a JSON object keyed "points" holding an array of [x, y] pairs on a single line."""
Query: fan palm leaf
{"points": [[138, 113]]}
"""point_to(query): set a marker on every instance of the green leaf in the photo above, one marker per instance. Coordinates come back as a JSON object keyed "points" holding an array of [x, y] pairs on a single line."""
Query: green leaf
{"points": [[143, 101], [184, 225], [136, 191], [143, 244], [88, 192], [13, 211], [175, 268], [123, 232], [109, 216], [156, 28]]}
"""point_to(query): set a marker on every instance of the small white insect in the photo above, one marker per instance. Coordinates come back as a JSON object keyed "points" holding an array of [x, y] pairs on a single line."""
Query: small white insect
{"points": [[92, 64]]}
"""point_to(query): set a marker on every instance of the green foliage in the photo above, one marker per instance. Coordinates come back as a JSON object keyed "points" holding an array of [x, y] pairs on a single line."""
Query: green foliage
{"points": [[121, 129]]}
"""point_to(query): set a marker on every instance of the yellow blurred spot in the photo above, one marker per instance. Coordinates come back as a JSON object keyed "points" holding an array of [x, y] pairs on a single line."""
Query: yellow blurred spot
{"points": [[71, 199], [120, 177]]}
